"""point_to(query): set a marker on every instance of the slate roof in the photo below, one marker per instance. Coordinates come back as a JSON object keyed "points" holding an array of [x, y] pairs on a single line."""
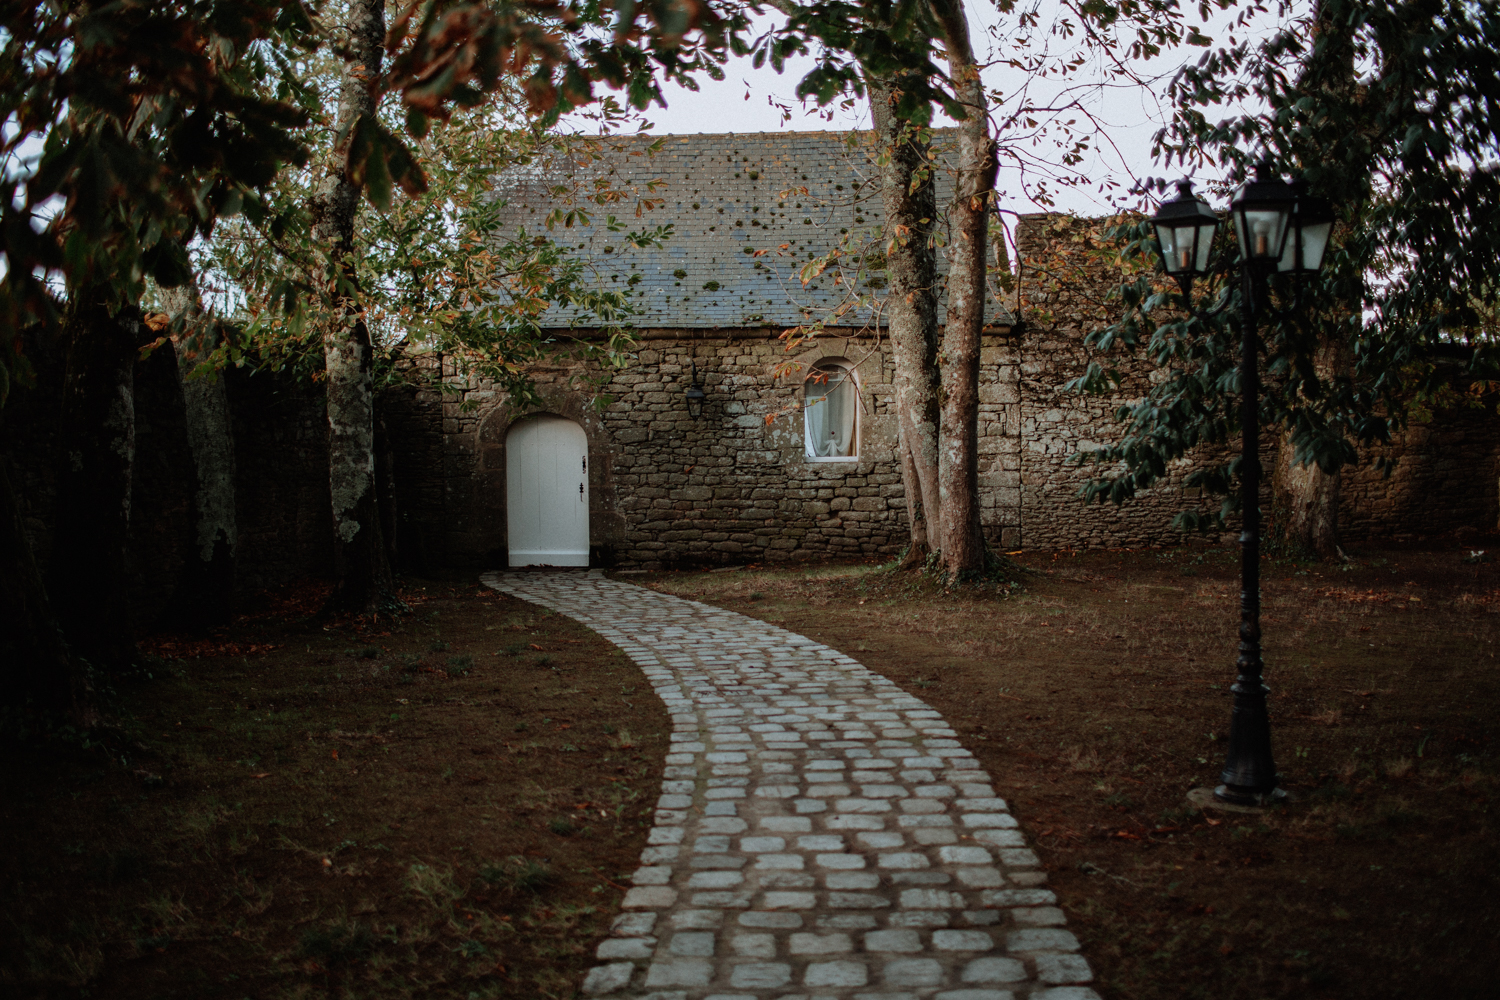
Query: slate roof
{"points": [[796, 194]]}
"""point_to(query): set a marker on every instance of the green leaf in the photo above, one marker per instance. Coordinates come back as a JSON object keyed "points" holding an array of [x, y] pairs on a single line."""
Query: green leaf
{"points": [[416, 123]]}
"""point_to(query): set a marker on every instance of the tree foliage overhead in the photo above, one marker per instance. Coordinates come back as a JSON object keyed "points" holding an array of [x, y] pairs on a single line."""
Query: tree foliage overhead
{"points": [[438, 271], [1391, 110], [134, 128]]}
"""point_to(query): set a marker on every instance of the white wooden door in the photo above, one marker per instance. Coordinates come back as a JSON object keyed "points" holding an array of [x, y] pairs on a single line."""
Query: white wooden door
{"points": [[547, 492]]}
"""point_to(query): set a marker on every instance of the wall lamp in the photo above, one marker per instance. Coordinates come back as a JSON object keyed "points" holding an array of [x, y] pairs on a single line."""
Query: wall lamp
{"points": [[695, 396]]}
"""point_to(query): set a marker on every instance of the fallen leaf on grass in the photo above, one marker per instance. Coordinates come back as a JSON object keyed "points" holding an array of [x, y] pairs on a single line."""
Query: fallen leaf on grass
{"points": [[267, 774]]}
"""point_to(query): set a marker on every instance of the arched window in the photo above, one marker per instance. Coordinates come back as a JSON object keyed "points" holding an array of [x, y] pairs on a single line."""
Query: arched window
{"points": [[830, 413]]}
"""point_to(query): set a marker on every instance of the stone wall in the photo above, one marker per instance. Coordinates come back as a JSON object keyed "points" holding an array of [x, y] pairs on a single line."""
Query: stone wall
{"points": [[1446, 480], [734, 486], [1447, 475], [1064, 295], [666, 489], [282, 501], [731, 487]]}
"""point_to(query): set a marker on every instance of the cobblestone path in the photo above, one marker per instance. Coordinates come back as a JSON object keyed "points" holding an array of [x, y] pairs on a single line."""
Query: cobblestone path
{"points": [[820, 832]]}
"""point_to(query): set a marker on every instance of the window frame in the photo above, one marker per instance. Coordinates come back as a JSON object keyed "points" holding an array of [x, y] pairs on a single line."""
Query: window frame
{"points": [[830, 365]]}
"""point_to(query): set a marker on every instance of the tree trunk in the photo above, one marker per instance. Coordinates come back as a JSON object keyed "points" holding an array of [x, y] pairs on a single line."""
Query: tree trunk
{"points": [[40, 680], [911, 309], [968, 220], [364, 573], [205, 593], [385, 490], [1304, 506], [1304, 498], [87, 573]]}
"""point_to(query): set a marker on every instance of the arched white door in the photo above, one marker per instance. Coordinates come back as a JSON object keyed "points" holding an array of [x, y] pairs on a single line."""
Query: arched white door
{"points": [[547, 492]]}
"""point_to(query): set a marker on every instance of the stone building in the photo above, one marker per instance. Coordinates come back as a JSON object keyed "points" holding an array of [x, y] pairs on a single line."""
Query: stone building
{"points": [[741, 482], [642, 481]]}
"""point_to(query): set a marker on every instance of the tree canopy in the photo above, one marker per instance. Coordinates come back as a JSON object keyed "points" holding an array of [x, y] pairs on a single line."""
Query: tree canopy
{"points": [[135, 128], [1391, 110]]}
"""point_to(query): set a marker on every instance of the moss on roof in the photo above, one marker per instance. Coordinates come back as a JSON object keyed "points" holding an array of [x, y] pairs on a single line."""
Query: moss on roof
{"points": [[747, 211]]}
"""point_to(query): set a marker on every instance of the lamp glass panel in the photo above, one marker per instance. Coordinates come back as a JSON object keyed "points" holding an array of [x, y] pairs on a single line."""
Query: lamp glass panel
{"points": [[1166, 240], [1289, 259], [1261, 231], [1312, 239], [1205, 243], [1315, 243], [1184, 247]]}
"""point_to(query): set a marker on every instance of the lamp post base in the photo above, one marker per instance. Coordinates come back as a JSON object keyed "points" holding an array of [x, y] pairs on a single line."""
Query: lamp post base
{"points": [[1231, 800]]}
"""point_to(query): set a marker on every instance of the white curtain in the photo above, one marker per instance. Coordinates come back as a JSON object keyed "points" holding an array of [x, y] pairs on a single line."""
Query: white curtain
{"points": [[828, 413]]}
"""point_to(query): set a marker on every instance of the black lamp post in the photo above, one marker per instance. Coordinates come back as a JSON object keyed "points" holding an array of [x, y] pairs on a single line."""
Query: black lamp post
{"points": [[695, 396], [1265, 210]]}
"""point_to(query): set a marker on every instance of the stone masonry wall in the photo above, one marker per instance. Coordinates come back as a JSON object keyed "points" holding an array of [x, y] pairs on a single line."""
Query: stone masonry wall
{"points": [[1447, 475], [666, 489], [1064, 296], [735, 487], [282, 505], [1445, 481], [732, 487]]}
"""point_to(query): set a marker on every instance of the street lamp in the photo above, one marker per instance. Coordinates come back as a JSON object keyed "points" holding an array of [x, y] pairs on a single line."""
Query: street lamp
{"points": [[1262, 208], [1185, 232], [1265, 209]]}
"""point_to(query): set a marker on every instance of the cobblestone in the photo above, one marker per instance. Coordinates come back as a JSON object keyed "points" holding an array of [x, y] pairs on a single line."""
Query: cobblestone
{"points": [[819, 831]]}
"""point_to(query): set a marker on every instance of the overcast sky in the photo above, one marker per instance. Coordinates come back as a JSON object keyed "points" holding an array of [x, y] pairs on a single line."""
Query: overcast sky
{"points": [[1128, 115]]}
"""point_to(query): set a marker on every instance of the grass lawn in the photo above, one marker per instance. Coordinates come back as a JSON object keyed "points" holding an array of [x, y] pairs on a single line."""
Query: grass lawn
{"points": [[439, 806], [1099, 696]]}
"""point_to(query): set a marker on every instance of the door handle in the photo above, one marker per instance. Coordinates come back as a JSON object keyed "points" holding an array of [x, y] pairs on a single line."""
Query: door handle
{"points": [[580, 493]]}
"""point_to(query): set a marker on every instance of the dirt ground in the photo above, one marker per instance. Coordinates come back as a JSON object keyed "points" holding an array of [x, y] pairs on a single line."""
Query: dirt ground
{"points": [[1098, 698], [443, 805], [446, 805]]}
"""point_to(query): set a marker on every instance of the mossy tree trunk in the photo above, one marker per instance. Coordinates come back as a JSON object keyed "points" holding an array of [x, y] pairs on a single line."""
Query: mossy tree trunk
{"points": [[910, 203], [205, 592], [969, 249], [87, 573], [364, 580], [1305, 498], [40, 679]]}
